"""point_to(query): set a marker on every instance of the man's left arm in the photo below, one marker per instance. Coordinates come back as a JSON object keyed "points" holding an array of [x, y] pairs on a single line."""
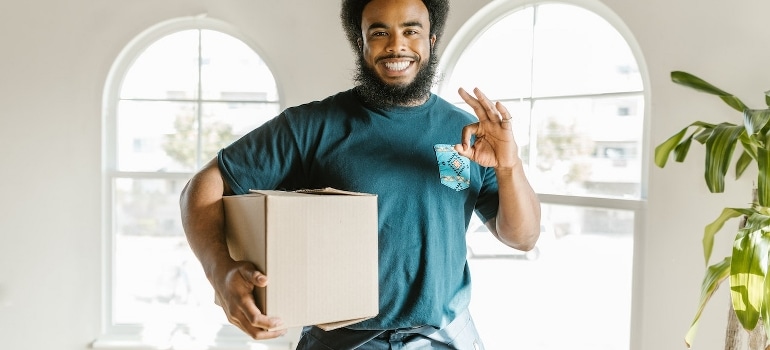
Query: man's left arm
{"points": [[517, 223]]}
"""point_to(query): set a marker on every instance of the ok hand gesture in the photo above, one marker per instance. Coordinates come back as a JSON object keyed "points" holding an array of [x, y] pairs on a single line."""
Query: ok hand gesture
{"points": [[494, 145]]}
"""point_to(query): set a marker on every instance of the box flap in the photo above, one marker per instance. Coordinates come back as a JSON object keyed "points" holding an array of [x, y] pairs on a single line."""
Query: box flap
{"points": [[330, 190], [325, 190]]}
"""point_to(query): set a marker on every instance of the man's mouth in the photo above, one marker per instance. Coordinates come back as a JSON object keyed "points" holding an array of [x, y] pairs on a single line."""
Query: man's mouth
{"points": [[397, 66]]}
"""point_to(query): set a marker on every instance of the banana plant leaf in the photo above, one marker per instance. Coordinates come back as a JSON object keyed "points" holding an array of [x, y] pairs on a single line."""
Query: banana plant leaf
{"points": [[711, 229], [763, 182], [721, 141], [748, 269], [756, 121], [673, 144], [765, 307], [743, 163], [689, 80], [720, 147], [757, 219], [715, 274]]}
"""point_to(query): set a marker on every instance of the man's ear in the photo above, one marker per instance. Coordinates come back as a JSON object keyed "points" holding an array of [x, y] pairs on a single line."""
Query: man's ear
{"points": [[360, 44], [432, 40]]}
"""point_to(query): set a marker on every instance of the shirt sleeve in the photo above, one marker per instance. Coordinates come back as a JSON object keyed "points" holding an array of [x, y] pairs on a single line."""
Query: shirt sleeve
{"points": [[488, 201], [263, 159]]}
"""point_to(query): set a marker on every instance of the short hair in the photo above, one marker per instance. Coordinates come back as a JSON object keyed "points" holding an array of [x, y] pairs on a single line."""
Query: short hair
{"points": [[351, 15]]}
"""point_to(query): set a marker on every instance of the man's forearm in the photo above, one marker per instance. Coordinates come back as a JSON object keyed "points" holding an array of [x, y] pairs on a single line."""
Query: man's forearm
{"points": [[203, 218], [518, 217]]}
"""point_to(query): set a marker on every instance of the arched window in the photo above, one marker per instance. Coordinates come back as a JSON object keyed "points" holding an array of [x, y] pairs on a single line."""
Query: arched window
{"points": [[176, 95], [570, 75]]}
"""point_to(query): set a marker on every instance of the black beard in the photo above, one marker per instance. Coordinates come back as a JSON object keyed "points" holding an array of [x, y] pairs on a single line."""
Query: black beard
{"points": [[379, 94]]}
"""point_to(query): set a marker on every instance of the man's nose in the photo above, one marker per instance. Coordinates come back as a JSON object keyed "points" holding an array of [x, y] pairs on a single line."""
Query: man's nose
{"points": [[396, 43]]}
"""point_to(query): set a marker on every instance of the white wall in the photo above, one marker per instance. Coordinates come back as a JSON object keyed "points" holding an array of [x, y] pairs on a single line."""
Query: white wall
{"points": [[56, 56]]}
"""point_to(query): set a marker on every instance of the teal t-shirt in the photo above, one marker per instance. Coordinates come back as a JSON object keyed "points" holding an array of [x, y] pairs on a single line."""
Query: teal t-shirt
{"points": [[339, 142]]}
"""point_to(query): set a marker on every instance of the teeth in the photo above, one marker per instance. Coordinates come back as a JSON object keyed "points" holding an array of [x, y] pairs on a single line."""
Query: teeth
{"points": [[396, 65]]}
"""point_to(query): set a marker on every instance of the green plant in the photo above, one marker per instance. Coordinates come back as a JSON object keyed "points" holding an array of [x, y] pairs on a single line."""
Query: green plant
{"points": [[746, 268]]}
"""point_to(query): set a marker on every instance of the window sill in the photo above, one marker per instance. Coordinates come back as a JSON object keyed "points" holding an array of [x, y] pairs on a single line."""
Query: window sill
{"points": [[221, 342]]}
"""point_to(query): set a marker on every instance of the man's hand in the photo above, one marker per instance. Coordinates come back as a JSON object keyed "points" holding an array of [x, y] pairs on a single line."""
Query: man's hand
{"points": [[494, 145], [236, 296]]}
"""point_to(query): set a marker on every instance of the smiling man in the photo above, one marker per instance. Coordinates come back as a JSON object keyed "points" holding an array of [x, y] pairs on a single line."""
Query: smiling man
{"points": [[396, 64], [430, 163]]}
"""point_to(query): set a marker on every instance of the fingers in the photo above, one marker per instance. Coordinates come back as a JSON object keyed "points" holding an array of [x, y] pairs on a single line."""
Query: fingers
{"points": [[475, 104], [258, 329], [269, 335], [243, 313], [240, 305], [506, 116], [255, 277], [468, 131], [488, 106], [257, 325], [483, 107], [464, 151]]}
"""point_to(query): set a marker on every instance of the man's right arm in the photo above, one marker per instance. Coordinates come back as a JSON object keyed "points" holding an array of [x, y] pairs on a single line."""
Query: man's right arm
{"points": [[233, 281]]}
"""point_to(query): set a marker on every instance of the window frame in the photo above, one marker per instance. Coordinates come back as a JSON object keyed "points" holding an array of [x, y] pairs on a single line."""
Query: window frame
{"points": [[127, 336], [485, 18]]}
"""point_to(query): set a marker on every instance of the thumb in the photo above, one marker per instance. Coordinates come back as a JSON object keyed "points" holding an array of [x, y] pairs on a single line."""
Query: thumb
{"points": [[464, 150], [250, 273]]}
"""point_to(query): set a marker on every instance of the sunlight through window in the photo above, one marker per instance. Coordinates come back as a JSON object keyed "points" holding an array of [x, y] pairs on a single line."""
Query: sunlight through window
{"points": [[574, 89]]}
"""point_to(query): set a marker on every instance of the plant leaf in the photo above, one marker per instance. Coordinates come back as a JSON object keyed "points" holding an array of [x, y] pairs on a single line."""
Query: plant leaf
{"points": [[756, 220], [763, 183], [755, 120], [711, 229], [663, 150], [742, 164], [719, 150], [691, 81], [702, 135], [715, 275], [681, 150], [766, 305], [748, 268]]}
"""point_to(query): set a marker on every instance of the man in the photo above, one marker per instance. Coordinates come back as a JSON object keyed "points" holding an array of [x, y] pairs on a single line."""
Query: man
{"points": [[431, 164]]}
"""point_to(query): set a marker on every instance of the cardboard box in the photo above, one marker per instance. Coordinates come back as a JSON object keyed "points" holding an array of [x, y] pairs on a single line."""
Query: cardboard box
{"points": [[318, 248]]}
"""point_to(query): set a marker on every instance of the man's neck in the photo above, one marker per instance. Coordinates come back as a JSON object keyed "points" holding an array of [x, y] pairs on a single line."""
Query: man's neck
{"points": [[415, 103], [379, 103]]}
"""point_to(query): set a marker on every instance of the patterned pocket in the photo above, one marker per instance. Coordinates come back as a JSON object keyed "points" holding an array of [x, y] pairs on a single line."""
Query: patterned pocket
{"points": [[454, 169]]}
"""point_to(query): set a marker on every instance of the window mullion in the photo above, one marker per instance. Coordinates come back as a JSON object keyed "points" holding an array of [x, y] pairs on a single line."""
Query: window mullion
{"points": [[199, 102]]}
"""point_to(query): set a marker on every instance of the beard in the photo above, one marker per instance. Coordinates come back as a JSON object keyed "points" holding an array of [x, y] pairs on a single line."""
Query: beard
{"points": [[380, 94]]}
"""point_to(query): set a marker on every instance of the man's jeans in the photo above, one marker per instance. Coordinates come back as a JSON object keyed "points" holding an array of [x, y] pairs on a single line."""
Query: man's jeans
{"points": [[460, 334]]}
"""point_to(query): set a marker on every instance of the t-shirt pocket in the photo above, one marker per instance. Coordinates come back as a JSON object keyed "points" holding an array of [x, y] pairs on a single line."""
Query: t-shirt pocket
{"points": [[454, 169]]}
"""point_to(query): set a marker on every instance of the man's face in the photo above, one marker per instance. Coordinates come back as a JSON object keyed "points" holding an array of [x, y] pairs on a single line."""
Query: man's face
{"points": [[396, 40]]}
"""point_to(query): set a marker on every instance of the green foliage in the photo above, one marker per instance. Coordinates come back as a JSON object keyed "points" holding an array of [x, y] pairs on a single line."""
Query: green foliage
{"points": [[183, 145], [561, 140], [746, 268]]}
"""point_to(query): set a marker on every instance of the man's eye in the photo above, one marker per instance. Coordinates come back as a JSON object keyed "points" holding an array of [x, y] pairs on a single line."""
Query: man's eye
{"points": [[379, 34]]}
